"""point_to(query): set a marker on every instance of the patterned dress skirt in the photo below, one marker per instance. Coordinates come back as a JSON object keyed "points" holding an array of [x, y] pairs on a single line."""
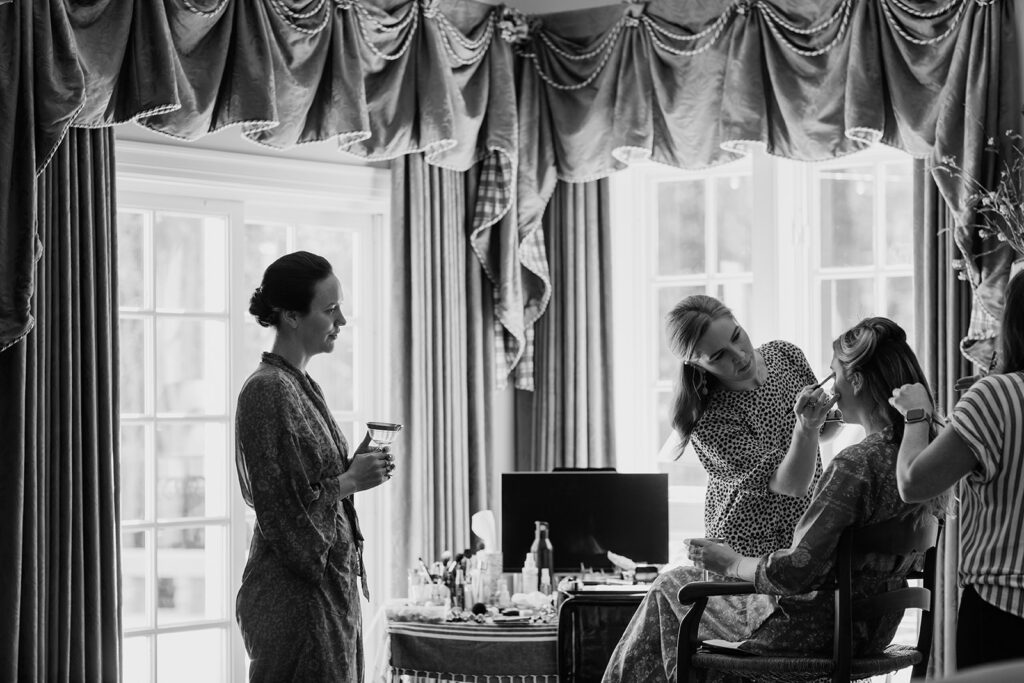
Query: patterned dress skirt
{"points": [[647, 650]]}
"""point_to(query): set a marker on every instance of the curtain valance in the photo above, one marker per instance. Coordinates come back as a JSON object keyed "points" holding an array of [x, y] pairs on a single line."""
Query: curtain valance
{"points": [[572, 96]]}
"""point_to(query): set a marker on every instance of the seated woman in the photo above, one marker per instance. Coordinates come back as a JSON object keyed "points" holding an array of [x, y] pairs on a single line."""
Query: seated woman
{"points": [[858, 488]]}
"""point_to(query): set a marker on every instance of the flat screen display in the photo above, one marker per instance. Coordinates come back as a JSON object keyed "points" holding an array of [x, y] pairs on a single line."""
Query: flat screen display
{"points": [[588, 513]]}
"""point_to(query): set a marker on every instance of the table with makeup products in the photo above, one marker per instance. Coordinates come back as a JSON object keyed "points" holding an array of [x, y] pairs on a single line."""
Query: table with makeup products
{"points": [[468, 651], [579, 641]]}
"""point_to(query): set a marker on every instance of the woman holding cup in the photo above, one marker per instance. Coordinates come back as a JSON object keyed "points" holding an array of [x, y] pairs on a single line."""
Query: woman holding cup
{"points": [[298, 607]]}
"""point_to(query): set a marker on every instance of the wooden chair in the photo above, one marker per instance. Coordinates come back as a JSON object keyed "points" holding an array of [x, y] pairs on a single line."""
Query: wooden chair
{"points": [[589, 627], [892, 537]]}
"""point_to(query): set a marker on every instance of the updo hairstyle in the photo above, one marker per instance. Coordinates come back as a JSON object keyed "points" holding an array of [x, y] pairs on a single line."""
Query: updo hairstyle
{"points": [[288, 284], [877, 349]]}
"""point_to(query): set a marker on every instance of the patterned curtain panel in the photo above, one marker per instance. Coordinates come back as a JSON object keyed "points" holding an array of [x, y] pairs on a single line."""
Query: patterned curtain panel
{"points": [[572, 96], [568, 419], [60, 564]]}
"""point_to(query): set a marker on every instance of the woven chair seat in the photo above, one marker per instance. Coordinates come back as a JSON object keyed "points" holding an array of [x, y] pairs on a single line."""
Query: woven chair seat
{"points": [[785, 669]]}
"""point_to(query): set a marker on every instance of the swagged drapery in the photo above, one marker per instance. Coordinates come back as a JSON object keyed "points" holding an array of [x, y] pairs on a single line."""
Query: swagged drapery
{"points": [[572, 96]]}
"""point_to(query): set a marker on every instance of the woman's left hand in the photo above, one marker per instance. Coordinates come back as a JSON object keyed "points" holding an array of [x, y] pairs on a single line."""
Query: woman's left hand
{"points": [[389, 460], [712, 556]]}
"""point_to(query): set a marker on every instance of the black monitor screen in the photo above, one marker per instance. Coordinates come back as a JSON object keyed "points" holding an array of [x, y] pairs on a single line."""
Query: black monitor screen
{"points": [[589, 513]]}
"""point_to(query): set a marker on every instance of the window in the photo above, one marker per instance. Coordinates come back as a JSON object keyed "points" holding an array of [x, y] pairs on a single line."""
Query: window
{"points": [[798, 251], [195, 232]]}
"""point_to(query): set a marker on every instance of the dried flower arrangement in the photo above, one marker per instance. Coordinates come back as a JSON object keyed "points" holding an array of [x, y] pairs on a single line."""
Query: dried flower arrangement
{"points": [[1000, 209]]}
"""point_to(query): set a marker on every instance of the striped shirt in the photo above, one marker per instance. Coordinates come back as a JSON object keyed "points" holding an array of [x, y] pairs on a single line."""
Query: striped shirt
{"points": [[990, 420]]}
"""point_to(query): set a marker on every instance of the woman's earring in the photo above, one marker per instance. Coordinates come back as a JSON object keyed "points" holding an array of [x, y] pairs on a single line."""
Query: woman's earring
{"points": [[699, 381]]}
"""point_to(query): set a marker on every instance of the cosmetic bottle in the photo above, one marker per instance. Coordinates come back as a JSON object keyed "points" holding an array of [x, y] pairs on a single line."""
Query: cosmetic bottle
{"points": [[543, 553], [530, 574]]}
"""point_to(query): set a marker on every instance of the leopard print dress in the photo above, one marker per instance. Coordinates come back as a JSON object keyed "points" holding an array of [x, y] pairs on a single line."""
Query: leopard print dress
{"points": [[740, 440]]}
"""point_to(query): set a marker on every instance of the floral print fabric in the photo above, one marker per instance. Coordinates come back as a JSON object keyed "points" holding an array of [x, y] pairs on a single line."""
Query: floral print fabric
{"points": [[298, 607], [857, 489], [740, 440], [646, 653]]}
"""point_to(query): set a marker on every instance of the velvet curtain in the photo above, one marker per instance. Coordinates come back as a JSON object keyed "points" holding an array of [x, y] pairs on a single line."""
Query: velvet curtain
{"points": [[568, 420], [572, 96], [945, 302], [693, 84], [60, 566], [443, 364]]}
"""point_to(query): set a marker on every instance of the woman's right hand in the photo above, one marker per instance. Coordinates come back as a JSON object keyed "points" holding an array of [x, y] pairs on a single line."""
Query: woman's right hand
{"points": [[811, 408]]}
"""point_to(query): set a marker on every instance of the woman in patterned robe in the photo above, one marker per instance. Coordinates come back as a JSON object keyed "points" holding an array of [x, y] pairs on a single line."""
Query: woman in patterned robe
{"points": [[858, 489], [735, 404], [298, 607]]}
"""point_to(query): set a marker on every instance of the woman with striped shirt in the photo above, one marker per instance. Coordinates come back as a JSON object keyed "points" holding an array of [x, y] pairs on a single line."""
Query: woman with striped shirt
{"points": [[984, 441]]}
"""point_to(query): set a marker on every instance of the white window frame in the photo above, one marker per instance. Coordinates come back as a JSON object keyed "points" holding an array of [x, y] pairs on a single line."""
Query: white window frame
{"points": [[258, 188], [786, 277]]}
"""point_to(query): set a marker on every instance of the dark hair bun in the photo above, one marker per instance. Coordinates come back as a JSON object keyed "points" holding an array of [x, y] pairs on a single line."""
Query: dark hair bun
{"points": [[288, 285], [265, 314]]}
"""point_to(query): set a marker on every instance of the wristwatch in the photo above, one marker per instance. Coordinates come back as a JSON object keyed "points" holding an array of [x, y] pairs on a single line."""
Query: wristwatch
{"points": [[916, 415]]}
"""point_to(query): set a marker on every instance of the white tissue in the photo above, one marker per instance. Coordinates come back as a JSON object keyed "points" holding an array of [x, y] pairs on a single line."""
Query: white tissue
{"points": [[621, 561], [482, 524]]}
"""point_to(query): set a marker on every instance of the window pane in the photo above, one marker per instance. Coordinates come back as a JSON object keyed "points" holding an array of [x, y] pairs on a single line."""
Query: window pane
{"points": [[191, 574], [190, 464], [337, 246], [899, 303], [133, 472], [138, 659], [899, 214], [843, 304], [334, 372], [734, 204], [191, 253], [192, 656], [263, 244], [737, 296], [665, 406], [668, 297], [136, 575], [131, 259], [132, 366], [191, 366], [681, 227], [847, 217]]}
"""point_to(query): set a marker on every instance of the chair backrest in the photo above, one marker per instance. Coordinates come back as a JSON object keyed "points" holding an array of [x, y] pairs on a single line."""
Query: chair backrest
{"points": [[896, 537], [589, 627]]}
